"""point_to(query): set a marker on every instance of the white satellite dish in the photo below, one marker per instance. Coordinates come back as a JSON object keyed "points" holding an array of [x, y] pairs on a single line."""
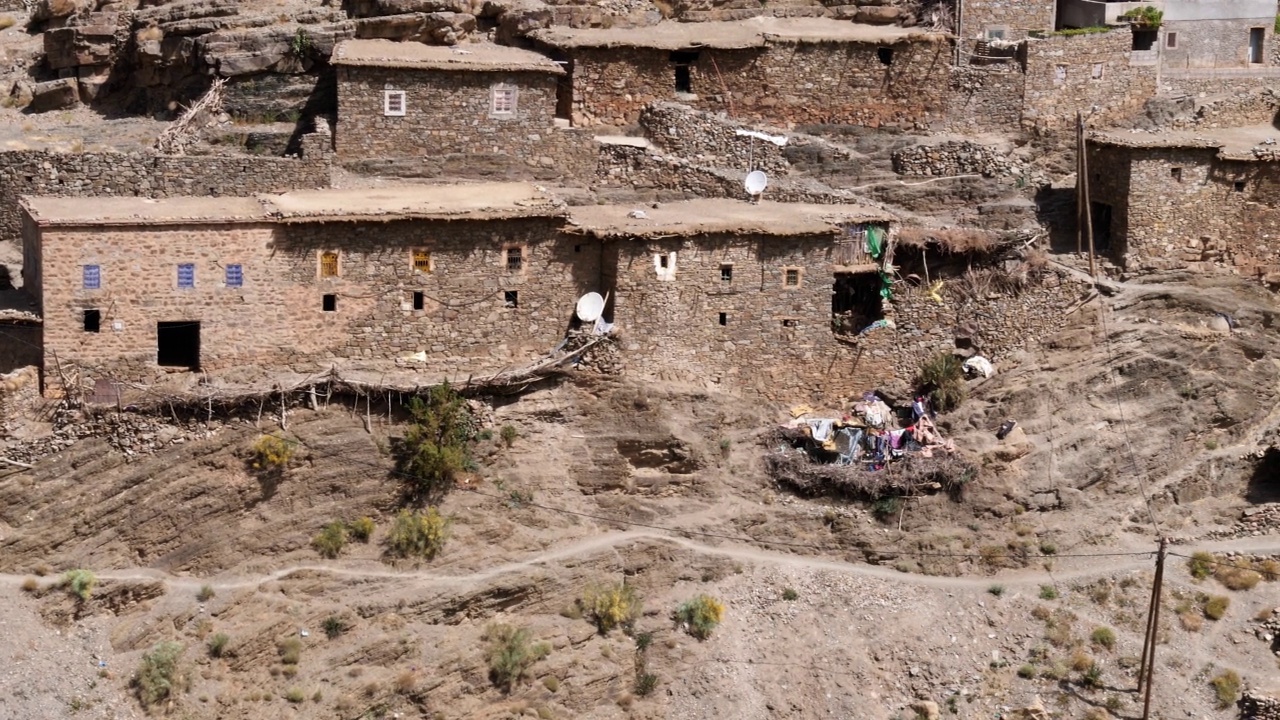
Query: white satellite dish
{"points": [[756, 182], [590, 306]]}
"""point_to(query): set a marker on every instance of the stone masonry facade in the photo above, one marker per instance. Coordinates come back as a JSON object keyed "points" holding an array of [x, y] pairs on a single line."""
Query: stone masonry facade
{"points": [[1066, 74], [1011, 19], [1188, 207], [786, 84], [449, 124]]}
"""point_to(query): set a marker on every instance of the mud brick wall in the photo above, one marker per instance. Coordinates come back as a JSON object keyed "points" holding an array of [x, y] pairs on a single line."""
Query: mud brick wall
{"points": [[708, 139], [1213, 43], [276, 320], [38, 172], [784, 84], [1015, 17], [1221, 213], [1051, 102]]}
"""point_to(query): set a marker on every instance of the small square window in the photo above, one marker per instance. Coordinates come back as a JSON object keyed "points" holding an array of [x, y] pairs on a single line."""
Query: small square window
{"points": [[1238, 186], [1176, 173], [724, 318], [329, 303], [503, 100], [515, 259], [235, 276], [664, 261], [790, 323], [726, 273], [92, 277], [791, 277], [885, 55], [995, 33], [328, 264], [419, 301], [1171, 40], [422, 261], [577, 248], [1097, 71], [92, 320], [186, 275], [1060, 73], [393, 103], [511, 298]]}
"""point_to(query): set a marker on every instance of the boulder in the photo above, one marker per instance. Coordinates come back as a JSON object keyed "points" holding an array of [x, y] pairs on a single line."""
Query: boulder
{"points": [[92, 43], [54, 95], [876, 15]]}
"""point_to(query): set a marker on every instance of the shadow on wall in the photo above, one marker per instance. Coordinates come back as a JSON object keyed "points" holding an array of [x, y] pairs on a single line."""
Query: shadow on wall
{"points": [[20, 346], [1264, 484]]}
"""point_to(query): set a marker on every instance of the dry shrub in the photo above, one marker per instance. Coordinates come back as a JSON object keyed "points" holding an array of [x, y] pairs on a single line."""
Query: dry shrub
{"points": [[1201, 565], [30, 585], [158, 678], [272, 453], [955, 240], [406, 682], [1041, 613], [418, 534], [331, 540], [942, 376], [1216, 607], [700, 615], [1081, 661], [1191, 622], [1235, 577], [610, 606], [6, 22], [511, 653], [1268, 569], [1227, 686], [1104, 637]]}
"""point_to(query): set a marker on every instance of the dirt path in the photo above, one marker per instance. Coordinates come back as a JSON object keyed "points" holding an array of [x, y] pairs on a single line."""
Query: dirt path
{"points": [[1095, 566]]}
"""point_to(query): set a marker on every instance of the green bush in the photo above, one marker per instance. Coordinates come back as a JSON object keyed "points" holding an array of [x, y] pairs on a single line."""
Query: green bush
{"points": [[206, 593], [1092, 677], [511, 653], [272, 453], [80, 583], [1201, 565], [295, 695], [996, 590], [790, 595], [361, 530], [701, 615], [158, 678], [1027, 672], [1216, 607], [509, 435], [218, 644], [331, 540], [646, 683], [1227, 685], [1104, 637], [418, 534], [1146, 16], [942, 377], [333, 626], [436, 447], [611, 605], [1048, 592]]}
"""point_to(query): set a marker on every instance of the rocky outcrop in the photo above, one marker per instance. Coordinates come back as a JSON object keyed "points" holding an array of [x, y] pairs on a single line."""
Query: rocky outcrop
{"points": [[54, 95]]}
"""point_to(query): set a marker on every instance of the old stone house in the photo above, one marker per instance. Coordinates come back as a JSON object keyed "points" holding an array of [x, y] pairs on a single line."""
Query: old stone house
{"points": [[780, 71], [1205, 197], [476, 276], [466, 110]]}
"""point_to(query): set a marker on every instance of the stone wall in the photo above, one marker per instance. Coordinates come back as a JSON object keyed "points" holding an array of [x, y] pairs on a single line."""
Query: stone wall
{"points": [[957, 157], [276, 320], [1213, 43], [449, 127], [1230, 110], [784, 84], [1256, 706], [19, 394], [1062, 78], [1214, 82], [709, 139], [39, 172], [1014, 17], [986, 98], [1212, 212]]}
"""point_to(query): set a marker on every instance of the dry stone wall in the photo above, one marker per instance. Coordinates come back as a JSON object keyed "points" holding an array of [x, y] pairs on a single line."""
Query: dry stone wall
{"points": [[1066, 74], [1255, 706], [1013, 19], [986, 98], [709, 140], [957, 157]]}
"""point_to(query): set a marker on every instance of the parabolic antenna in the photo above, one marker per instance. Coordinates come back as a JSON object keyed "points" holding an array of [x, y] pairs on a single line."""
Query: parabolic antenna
{"points": [[756, 182], [590, 306]]}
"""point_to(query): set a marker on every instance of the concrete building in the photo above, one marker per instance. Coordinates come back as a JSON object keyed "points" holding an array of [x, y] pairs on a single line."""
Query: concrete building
{"points": [[1193, 198], [479, 109], [781, 71], [477, 276]]}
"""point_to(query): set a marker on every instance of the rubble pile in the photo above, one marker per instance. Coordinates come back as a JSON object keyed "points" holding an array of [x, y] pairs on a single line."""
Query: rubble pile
{"points": [[1253, 522], [129, 433], [958, 157], [1259, 707]]}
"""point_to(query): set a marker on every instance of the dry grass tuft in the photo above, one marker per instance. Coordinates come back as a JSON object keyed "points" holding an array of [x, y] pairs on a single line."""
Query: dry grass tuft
{"points": [[6, 22], [406, 682], [30, 585], [954, 240], [1191, 622]]}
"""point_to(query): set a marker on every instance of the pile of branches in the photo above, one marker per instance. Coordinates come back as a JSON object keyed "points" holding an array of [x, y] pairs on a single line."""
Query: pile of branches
{"points": [[911, 475]]}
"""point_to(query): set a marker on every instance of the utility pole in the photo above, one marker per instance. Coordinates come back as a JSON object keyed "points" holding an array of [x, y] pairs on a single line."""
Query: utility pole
{"points": [[1146, 672], [1084, 182], [1079, 184]]}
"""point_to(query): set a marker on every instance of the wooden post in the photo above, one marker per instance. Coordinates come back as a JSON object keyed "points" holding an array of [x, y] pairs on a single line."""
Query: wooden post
{"points": [[1155, 629], [1079, 185], [1088, 206], [1146, 638]]}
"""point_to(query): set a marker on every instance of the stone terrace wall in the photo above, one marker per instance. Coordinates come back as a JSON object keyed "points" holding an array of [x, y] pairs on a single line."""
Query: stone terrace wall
{"points": [[39, 172], [1051, 103], [785, 84], [708, 139], [1202, 220], [276, 320], [956, 157], [986, 98], [448, 128], [1016, 17], [1235, 109], [1208, 83]]}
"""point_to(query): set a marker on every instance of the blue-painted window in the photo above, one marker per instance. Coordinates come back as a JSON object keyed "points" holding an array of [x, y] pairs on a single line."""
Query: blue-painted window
{"points": [[186, 275], [235, 276], [92, 277]]}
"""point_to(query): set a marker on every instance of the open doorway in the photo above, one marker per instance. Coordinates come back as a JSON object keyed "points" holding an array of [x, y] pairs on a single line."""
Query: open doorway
{"points": [[1101, 215], [683, 62], [564, 88], [178, 344], [1256, 38], [855, 302]]}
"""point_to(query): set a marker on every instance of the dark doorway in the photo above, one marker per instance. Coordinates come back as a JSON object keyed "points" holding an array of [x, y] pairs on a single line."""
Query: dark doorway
{"points": [[885, 55], [1101, 225], [1145, 39], [178, 344], [855, 302], [1264, 483], [1256, 38], [92, 321], [683, 60], [564, 91]]}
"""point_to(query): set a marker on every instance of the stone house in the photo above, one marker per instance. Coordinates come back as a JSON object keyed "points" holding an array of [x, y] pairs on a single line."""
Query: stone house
{"points": [[470, 110], [1003, 19], [1194, 198], [476, 276], [779, 71]]}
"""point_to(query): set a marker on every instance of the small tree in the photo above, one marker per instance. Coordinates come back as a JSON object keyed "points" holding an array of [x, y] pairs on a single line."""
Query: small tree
{"points": [[418, 534], [700, 615], [157, 677], [362, 529], [331, 540], [942, 377], [511, 653], [435, 448], [611, 605]]}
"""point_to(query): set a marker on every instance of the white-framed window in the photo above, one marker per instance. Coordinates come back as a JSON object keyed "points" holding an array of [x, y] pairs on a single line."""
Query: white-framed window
{"points": [[393, 103], [1097, 71], [502, 100], [1060, 73], [997, 32]]}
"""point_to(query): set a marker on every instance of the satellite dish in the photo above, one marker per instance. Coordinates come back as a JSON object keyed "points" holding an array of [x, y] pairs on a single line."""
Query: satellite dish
{"points": [[756, 182], [590, 306]]}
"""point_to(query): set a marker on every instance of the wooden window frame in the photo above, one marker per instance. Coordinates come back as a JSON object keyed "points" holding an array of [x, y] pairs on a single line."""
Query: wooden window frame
{"points": [[421, 261], [323, 264], [506, 258], [786, 273]]}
